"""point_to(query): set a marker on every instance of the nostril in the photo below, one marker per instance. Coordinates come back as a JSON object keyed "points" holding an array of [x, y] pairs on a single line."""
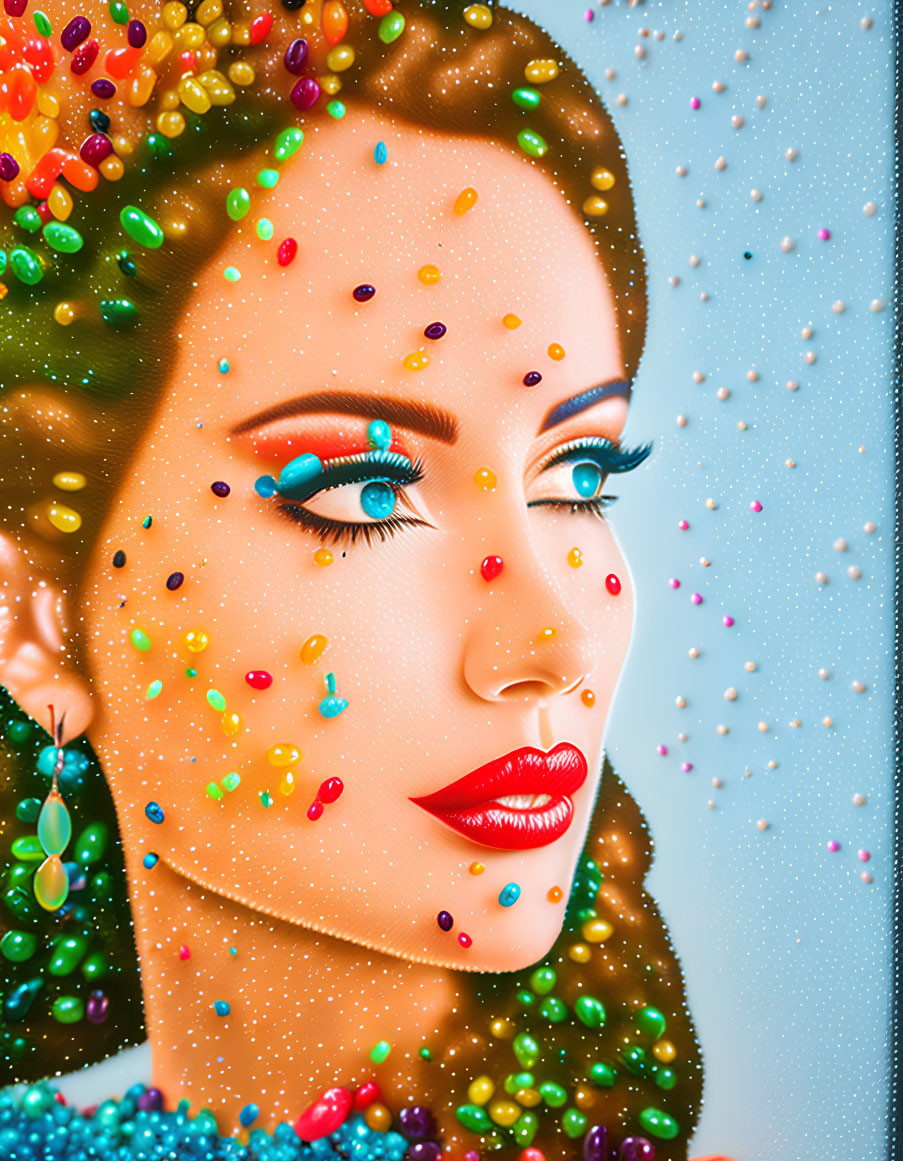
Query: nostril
{"points": [[526, 690]]}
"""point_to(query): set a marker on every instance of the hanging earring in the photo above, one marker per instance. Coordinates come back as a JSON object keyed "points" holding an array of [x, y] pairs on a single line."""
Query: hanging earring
{"points": [[51, 882]]}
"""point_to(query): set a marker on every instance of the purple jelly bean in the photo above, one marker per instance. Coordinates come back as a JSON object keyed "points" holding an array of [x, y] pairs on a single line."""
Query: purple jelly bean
{"points": [[364, 292], [424, 1151], [305, 93], [77, 30], [84, 56], [220, 488], [151, 1100], [532, 378], [435, 330], [445, 920], [595, 1144], [9, 167], [14, 7], [636, 1149], [296, 56], [137, 34], [103, 88], [95, 148], [98, 1006], [417, 1123]]}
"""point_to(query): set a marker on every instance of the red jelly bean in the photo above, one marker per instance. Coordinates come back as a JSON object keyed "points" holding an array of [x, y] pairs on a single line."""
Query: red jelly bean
{"points": [[491, 567], [325, 1115], [84, 56], [184, 952], [260, 27], [188, 63], [613, 584], [285, 255], [305, 93], [44, 213], [366, 1095], [259, 679], [464, 939], [378, 7], [315, 810], [330, 790]]}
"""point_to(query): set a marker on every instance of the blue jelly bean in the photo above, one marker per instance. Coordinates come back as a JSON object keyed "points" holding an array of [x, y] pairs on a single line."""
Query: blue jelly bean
{"points": [[587, 478], [332, 706], [299, 471], [265, 486], [378, 499], [223, 366], [150, 860], [221, 1007], [248, 1115], [509, 894], [379, 435], [154, 812], [380, 153]]}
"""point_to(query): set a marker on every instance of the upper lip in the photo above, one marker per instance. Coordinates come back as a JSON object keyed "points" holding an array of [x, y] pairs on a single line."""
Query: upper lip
{"points": [[557, 772]]}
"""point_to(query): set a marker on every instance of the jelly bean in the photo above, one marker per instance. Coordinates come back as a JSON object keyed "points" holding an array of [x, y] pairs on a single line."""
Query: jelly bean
{"points": [[216, 700], [465, 200], [464, 939], [613, 584], [154, 812], [77, 30], [238, 202], [636, 1149], [18, 946], [140, 640], [231, 781], [288, 142], [509, 894], [17, 1004], [264, 229], [504, 1113], [511, 321], [42, 24], [651, 1022], [296, 56], [477, 868], [261, 26], [478, 16], [69, 481], [221, 1007], [136, 34], [379, 435], [526, 98], [9, 167], [54, 825], [219, 488], [665, 1078], [380, 153], [531, 143], [288, 248], [26, 265], [118, 312], [525, 1130], [445, 922], [313, 648], [232, 274], [331, 706], [491, 567], [363, 293], [590, 1011], [51, 883], [553, 1010], [283, 754], [378, 7], [391, 27], [532, 378], [602, 178], [315, 810], [91, 844], [480, 1091], [84, 57], [141, 227], [305, 93], [98, 1007], [323, 558], [330, 790], [474, 1117], [259, 679], [196, 640], [324, 1116], [334, 21], [265, 486], [213, 791], [64, 518], [298, 472], [526, 1050], [659, 1124], [416, 361], [119, 12], [594, 206], [543, 980], [66, 954], [664, 1051], [380, 1052], [429, 275], [248, 1115], [603, 1075]]}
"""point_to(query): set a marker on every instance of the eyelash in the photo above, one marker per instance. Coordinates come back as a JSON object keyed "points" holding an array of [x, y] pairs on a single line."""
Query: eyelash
{"points": [[606, 455]]}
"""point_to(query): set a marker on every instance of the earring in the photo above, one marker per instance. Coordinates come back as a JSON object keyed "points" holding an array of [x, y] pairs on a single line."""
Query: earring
{"points": [[51, 881]]}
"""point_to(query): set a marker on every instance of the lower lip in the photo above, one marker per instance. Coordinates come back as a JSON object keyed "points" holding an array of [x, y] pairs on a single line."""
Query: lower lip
{"points": [[506, 828]]}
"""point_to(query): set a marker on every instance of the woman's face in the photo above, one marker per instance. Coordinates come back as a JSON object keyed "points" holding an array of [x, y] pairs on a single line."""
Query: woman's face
{"points": [[444, 672]]}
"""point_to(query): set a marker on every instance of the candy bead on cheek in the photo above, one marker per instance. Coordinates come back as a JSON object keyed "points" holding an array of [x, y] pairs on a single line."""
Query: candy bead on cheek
{"points": [[491, 567], [613, 584]]}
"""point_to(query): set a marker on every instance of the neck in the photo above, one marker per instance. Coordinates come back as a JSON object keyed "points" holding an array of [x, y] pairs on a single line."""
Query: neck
{"points": [[303, 1011]]}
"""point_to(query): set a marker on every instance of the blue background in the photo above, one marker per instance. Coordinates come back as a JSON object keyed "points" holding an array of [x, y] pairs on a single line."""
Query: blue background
{"points": [[787, 952]]}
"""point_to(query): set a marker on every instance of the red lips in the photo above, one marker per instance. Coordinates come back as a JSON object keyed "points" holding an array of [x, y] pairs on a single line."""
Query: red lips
{"points": [[515, 802]]}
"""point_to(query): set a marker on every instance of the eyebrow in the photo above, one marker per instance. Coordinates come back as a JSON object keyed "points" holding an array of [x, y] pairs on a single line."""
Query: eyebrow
{"points": [[578, 403], [407, 413]]}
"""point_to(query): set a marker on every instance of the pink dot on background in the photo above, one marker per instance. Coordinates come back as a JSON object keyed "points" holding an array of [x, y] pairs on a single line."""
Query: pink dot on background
{"points": [[686, 767], [696, 598], [683, 525], [695, 102], [674, 582], [824, 234], [727, 621], [588, 15], [663, 750], [864, 856], [756, 506], [866, 877], [833, 845]]}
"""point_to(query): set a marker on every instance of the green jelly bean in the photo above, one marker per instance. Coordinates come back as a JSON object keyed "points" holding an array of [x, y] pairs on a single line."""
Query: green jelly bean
{"points": [[27, 218], [36, 1101], [665, 1078], [543, 980], [13, 1047], [18, 946], [590, 1011], [634, 1059], [26, 265], [21, 904], [574, 1123], [474, 1118], [232, 274], [68, 1009], [264, 229], [238, 202], [586, 914], [95, 966], [526, 98], [525, 999], [17, 1003], [159, 146], [379, 1052], [91, 844], [531, 143], [603, 1075], [651, 1022], [216, 700], [231, 781], [553, 1010], [118, 312], [27, 847], [336, 110], [12, 725], [54, 826], [28, 809], [119, 12], [553, 1094], [525, 1129], [154, 690], [19, 874], [391, 27], [141, 227], [288, 143], [66, 954], [140, 640], [102, 887], [659, 1124], [42, 24], [267, 799], [525, 1049], [213, 791], [515, 1081], [268, 178], [66, 239]]}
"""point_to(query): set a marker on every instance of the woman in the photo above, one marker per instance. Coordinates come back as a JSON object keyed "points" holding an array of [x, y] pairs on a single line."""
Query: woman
{"points": [[336, 608]]}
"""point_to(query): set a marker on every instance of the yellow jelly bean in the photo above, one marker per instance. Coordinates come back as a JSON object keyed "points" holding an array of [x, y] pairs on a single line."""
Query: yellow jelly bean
{"points": [[502, 1029], [480, 1091], [189, 37], [416, 361], [241, 32], [142, 86], [63, 518], [602, 178], [287, 785], [64, 313], [219, 34], [504, 1113], [528, 1097], [545, 634], [595, 207], [556, 352], [284, 754], [486, 479], [596, 930], [59, 202], [539, 72], [340, 58], [429, 275], [241, 73], [664, 1051], [197, 640], [111, 168], [48, 105], [588, 698], [169, 99], [465, 200], [158, 48], [511, 321], [193, 95], [378, 1117], [217, 87], [44, 134], [171, 124], [580, 953], [331, 84], [69, 481], [575, 558], [208, 11], [313, 647], [174, 14], [478, 16], [231, 723], [124, 146], [323, 558], [477, 868]]}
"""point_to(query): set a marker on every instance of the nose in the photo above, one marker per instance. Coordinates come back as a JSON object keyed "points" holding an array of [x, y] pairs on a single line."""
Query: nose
{"points": [[525, 642]]}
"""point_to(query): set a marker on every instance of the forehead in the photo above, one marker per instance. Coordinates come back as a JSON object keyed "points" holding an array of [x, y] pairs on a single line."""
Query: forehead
{"points": [[520, 250]]}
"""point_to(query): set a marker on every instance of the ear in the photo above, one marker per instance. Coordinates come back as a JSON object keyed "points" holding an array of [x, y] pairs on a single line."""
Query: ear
{"points": [[36, 661]]}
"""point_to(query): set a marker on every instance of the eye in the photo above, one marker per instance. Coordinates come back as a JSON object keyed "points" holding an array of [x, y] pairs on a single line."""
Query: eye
{"points": [[575, 474], [368, 500]]}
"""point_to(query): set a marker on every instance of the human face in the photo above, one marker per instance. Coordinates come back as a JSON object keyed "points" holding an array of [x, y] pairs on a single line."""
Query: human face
{"points": [[443, 671]]}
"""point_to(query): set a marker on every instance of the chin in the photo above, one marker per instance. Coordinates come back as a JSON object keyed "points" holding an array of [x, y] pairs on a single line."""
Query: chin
{"points": [[493, 955]]}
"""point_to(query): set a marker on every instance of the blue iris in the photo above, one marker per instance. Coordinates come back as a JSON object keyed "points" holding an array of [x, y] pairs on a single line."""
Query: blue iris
{"points": [[378, 499], [587, 477]]}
